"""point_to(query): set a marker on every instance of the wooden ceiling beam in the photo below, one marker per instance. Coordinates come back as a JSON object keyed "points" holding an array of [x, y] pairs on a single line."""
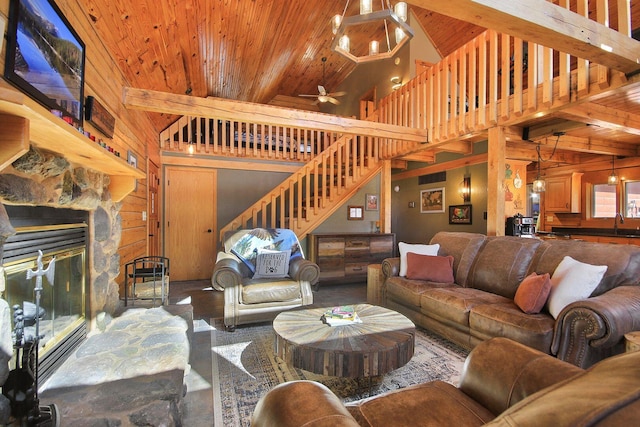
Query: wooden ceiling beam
{"points": [[547, 24], [476, 159], [605, 117], [590, 145], [218, 108]]}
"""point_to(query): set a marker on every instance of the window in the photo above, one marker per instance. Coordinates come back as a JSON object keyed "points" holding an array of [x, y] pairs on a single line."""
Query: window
{"points": [[604, 201], [632, 199]]}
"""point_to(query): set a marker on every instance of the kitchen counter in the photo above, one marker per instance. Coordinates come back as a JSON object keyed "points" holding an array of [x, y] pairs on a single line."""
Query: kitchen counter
{"points": [[604, 232]]}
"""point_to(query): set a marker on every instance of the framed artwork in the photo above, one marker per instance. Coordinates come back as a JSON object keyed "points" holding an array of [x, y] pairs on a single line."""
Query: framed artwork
{"points": [[460, 214], [432, 200], [132, 159], [371, 202], [355, 212]]}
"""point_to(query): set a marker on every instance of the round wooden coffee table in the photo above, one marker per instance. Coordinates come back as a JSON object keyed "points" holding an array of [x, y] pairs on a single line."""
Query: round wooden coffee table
{"points": [[384, 341]]}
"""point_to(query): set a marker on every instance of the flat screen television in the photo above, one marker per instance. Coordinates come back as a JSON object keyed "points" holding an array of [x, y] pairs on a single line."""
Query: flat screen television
{"points": [[45, 57]]}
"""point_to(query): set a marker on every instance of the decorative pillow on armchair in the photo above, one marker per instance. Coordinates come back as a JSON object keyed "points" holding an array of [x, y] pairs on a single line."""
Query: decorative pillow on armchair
{"points": [[432, 268], [272, 264], [279, 239]]}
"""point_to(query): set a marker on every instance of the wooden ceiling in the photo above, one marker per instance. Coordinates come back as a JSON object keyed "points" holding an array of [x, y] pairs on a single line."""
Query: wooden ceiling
{"points": [[247, 50]]}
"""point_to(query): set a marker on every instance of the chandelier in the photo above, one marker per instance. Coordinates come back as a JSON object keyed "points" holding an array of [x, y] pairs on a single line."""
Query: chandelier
{"points": [[377, 24]]}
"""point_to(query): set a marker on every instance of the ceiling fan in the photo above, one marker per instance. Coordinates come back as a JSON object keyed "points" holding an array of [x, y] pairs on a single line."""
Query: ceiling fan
{"points": [[323, 95]]}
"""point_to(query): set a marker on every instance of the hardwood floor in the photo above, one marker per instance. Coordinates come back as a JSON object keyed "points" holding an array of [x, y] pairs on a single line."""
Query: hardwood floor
{"points": [[207, 304]]}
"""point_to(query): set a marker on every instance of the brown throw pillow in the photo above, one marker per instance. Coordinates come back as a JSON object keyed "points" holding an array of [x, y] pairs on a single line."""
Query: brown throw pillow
{"points": [[431, 268], [533, 292]]}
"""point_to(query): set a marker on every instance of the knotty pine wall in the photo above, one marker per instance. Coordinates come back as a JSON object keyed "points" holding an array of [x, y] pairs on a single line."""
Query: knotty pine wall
{"points": [[133, 129]]}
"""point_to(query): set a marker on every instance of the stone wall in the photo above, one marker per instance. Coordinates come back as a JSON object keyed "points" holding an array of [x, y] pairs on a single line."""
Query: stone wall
{"points": [[41, 178]]}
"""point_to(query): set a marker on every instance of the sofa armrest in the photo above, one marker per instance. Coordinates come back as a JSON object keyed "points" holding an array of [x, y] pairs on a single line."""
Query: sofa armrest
{"points": [[500, 372], [589, 330], [391, 267], [226, 273], [301, 403], [301, 269]]}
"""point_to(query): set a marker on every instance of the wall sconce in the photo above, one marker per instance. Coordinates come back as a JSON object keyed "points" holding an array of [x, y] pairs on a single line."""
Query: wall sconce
{"points": [[191, 148], [613, 178], [397, 82], [465, 189], [396, 188]]}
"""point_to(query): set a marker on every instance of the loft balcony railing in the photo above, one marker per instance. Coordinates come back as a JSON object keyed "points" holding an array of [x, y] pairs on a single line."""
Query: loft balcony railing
{"points": [[496, 79]]}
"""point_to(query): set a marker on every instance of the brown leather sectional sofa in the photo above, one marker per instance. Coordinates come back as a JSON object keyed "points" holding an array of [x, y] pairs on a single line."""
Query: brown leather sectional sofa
{"points": [[487, 272], [503, 383]]}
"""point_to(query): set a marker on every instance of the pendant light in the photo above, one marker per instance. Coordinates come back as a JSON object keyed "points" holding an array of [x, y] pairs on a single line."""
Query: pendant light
{"points": [[613, 178], [538, 183]]}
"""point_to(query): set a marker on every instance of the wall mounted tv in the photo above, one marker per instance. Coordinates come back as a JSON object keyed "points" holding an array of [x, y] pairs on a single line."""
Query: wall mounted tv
{"points": [[45, 57]]}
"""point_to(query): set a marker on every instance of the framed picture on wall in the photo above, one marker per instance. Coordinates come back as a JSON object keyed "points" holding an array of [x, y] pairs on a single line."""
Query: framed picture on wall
{"points": [[371, 202], [432, 200], [355, 212], [460, 214]]}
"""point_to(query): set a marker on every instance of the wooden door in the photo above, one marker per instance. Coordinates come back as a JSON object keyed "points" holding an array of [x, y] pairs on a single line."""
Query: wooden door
{"points": [[190, 222], [153, 220]]}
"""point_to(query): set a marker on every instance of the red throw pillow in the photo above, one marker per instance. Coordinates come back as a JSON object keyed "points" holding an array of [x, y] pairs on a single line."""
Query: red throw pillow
{"points": [[431, 268], [533, 292]]}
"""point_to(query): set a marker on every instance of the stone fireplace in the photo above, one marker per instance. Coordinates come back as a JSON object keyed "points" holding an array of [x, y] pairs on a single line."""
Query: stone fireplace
{"points": [[42, 189]]}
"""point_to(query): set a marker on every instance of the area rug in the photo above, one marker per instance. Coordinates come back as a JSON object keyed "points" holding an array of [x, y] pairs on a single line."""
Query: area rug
{"points": [[245, 368]]}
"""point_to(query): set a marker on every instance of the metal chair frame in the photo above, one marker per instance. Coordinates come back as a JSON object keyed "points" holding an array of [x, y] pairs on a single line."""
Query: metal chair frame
{"points": [[144, 268]]}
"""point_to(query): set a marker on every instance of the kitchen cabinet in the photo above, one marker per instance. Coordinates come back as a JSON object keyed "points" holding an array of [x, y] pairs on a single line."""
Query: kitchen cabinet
{"points": [[563, 194], [344, 257]]}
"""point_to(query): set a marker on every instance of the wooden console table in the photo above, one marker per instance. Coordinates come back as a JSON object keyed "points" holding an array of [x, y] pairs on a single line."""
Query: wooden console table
{"points": [[344, 257]]}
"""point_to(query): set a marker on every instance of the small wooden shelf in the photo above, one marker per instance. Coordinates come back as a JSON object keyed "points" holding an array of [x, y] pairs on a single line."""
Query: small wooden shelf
{"points": [[46, 131]]}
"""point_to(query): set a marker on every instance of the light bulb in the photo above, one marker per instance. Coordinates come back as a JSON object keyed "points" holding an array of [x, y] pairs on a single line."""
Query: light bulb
{"points": [[401, 11], [336, 21], [366, 6], [538, 186], [344, 43], [373, 47]]}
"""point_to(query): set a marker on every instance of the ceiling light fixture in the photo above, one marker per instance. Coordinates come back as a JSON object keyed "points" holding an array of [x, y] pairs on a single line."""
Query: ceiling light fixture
{"points": [[613, 178], [369, 21], [538, 184]]}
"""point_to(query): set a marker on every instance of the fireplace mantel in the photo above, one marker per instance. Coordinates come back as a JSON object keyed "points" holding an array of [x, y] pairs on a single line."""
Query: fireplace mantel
{"points": [[25, 121]]}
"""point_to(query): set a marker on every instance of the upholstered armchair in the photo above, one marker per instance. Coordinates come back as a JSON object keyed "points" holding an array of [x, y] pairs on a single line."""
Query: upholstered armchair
{"points": [[262, 272]]}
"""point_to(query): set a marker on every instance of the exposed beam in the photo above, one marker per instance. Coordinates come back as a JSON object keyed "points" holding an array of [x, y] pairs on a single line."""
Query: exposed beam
{"points": [[218, 108], [441, 167], [522, 151], [591, 145], [605, 117], [550, 25]]}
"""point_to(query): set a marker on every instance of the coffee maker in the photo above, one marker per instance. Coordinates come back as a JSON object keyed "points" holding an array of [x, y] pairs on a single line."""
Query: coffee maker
{"points": [[522, 226]]}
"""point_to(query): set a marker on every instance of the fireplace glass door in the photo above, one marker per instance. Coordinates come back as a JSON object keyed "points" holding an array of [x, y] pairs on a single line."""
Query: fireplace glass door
{"points": [[62, 304]]}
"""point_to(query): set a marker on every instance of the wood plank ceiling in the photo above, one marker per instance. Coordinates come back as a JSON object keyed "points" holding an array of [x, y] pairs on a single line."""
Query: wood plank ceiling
{"points": [[256, 50], [247, 50]]}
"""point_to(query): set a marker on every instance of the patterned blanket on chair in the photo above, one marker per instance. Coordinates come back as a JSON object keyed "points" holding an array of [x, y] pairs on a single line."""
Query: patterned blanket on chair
{"points": [[245, 243]]}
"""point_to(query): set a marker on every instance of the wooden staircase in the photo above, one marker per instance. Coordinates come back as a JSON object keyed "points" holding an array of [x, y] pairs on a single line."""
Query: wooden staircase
{"points": [[314, 192]]}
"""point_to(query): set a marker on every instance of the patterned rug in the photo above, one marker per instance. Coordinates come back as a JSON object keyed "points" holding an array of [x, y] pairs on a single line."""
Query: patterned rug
{"points": [[246, 368]]}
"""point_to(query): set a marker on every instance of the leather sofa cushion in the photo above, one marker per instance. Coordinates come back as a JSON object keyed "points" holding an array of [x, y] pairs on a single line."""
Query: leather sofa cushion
{"points": [[507, 320], [463, 247], [269, 290], [409, 291], [432, 404], [608, 394], [502, 264], [455, 303], [621, 269]]}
